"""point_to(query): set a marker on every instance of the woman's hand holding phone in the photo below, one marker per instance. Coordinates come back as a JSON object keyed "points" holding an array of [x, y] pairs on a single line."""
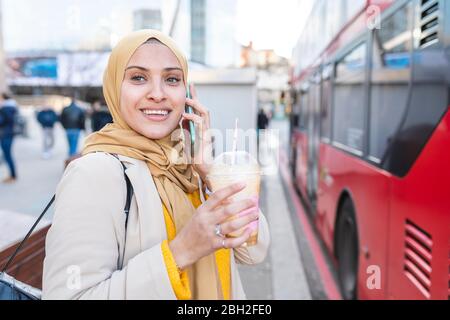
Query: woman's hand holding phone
{"points": [[190, 124], [202, 143]]}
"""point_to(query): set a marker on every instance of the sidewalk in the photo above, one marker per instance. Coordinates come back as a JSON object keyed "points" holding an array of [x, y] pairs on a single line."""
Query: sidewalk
{"points": [[281, 275]]}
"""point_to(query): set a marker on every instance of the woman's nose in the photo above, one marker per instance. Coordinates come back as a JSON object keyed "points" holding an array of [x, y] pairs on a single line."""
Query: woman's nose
{"points": [[155, 92]]}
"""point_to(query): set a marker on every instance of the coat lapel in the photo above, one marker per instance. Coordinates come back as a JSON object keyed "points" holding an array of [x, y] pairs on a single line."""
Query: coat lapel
{"points": [[151, 219]]}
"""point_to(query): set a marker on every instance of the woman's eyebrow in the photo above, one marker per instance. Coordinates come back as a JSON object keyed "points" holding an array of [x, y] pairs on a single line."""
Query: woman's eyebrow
{"points": [[173, 69], [136, 67], [145, 69]]}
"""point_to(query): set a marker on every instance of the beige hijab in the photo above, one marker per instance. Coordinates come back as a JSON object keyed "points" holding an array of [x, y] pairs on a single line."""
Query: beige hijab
{"points": [[165, 158]]}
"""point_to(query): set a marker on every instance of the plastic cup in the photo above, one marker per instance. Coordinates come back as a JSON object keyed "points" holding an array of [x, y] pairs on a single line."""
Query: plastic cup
{"points": [[234, 167]]}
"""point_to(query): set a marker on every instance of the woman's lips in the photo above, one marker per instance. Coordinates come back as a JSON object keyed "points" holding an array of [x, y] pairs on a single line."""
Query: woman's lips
{"points": [[156, 115]]}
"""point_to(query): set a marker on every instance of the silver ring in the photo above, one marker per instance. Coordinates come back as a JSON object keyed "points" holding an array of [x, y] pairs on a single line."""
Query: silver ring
{"points": [[218, 231]]}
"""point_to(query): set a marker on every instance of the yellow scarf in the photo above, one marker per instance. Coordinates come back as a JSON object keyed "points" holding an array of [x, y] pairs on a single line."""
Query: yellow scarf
{"points": [[165, 158]]}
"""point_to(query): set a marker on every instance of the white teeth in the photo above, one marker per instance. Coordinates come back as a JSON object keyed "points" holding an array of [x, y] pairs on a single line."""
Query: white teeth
{"points": [[158, 112]]}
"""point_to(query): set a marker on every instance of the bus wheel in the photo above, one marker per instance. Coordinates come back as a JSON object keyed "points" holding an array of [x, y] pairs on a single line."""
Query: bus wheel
{"points": [[347, 249]]}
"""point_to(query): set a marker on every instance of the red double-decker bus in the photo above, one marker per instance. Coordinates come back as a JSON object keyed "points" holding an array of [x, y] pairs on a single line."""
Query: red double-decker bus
{"points": [[370, 143]]}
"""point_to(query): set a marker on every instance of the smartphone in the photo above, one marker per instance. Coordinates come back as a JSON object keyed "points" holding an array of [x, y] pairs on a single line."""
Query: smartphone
{"points": [[191, 126]]}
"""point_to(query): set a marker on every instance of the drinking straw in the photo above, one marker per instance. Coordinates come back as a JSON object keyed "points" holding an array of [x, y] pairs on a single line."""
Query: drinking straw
{"points": [[235, 135]]}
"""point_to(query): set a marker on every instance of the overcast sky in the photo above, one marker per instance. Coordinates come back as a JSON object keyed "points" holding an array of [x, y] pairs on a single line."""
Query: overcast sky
{"points": [[270, 24]]}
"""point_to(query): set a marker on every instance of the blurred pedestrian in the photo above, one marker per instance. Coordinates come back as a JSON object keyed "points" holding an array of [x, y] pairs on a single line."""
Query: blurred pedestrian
{"points": [[263, 119], [100, 116], [47, 118], [73, 121], [262, 123], [8, 114]]}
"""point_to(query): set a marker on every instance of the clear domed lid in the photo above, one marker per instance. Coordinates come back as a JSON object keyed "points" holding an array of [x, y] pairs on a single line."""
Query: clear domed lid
{"points": [[236, 162]]}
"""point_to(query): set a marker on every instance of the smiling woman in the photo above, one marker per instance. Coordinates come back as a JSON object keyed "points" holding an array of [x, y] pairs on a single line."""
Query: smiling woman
{"points": [[153, 90], [171, 245]]}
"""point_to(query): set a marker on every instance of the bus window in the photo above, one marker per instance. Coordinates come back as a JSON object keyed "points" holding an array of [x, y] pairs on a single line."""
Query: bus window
{"points": [[294, 117], [325, 105], [391, 73], [428, 98], [349, 93], [303, 121]]}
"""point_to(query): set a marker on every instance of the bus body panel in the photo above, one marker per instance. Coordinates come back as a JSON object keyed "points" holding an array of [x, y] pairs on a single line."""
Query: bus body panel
{"points": [[368, 188], [326, 198], [421, 201], [301, 176]]}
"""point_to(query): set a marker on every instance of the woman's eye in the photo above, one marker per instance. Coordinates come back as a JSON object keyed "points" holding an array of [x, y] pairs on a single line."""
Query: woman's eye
{"points": [[173, 80], [138, 78]]}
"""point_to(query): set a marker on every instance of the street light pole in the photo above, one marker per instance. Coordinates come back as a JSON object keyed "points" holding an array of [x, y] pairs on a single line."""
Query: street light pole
{"points": [[174, 18]]}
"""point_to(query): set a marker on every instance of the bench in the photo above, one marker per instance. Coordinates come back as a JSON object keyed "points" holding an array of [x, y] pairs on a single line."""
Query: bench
{"points": [[28, 264]]}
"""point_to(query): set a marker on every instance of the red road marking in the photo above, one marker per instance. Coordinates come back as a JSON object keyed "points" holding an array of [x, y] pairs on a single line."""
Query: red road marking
{"points": [[330, 286]]}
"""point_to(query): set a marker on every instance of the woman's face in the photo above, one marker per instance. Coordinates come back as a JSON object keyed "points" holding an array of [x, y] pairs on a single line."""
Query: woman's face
{"points": [[153, 92]]}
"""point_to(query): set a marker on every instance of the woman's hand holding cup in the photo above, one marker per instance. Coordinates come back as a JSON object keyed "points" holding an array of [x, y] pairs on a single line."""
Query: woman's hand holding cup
{"points": [[214, 219]]}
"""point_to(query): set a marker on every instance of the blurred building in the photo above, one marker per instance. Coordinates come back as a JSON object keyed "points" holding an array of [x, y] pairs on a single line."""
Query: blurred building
{"points": [[198, 31], [66, 53], [229, 94], [205, 29], [147, 19], [263, 59], [272, 74]]}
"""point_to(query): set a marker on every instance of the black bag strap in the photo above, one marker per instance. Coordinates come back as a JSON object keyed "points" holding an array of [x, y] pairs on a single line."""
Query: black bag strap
{"points": [[28, 235], [130, 193], [126, 209]]}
